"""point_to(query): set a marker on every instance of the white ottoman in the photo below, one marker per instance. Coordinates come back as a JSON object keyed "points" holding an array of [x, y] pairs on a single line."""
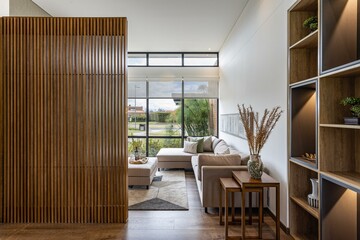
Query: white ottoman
{"points": [[142, 174]]}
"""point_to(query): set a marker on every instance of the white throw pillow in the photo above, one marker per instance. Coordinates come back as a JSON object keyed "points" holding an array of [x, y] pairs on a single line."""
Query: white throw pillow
{"points": [[190, 147]]}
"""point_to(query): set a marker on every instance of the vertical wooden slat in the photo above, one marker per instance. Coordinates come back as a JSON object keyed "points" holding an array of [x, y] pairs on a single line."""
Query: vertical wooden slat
{"points": [[63, 137], [29, 122], [6, 119], [2, 122]]}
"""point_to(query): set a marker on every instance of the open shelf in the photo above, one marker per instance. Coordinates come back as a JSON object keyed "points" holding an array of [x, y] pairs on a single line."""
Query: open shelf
{"points": [[303, 225], [303, 121], [339, 149], [300, 184], [304, 204], [310, 41], [333, 90], [340, 207], [297, 15], [306, 61], [340, 33]]}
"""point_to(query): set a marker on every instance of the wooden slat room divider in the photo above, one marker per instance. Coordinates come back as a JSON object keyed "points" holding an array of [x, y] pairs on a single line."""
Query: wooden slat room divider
{"points": [[63, 120]]}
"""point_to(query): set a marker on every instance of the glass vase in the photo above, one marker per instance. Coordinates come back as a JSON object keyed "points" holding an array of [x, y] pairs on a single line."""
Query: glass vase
{"points": [[255, 166]]}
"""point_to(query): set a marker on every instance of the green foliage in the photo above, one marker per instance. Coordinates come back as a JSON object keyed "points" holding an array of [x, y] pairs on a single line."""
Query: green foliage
{"points": [[156, 144], [311, 23], [354, 102], [350, 101], [139, 118], [355, 110], [159, 116], [197, 117], [135, 143]]}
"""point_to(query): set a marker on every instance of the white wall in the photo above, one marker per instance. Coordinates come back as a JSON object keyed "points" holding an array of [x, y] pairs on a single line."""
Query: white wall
{"points": [[253, 71], [4, 7], [26, 8]]}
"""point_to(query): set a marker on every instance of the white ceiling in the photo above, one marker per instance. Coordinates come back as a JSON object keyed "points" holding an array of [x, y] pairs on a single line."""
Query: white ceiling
{"points": [[160, 25]]}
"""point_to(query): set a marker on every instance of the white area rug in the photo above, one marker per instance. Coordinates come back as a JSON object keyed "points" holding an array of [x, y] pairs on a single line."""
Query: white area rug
{"points": [[167, 194]]}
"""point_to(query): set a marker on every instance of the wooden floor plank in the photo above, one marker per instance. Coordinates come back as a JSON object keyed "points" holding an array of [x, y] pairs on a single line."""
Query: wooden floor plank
{"points": [[149, 225]]}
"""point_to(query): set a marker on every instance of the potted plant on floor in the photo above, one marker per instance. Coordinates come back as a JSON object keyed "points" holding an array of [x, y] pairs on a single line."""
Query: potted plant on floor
{"points": [[354, 103]]}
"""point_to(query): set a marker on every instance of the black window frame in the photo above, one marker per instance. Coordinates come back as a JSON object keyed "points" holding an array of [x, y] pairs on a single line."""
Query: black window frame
{"points": [[182, 136], [172, 53]]}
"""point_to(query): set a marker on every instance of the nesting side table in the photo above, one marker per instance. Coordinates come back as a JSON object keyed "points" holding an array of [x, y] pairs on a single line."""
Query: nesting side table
{"points": [[249, 184]]}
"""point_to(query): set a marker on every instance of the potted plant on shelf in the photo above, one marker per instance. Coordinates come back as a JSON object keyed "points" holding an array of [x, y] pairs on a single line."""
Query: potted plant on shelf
{"points": [[311, 23], [257, 132], [354, 103]]}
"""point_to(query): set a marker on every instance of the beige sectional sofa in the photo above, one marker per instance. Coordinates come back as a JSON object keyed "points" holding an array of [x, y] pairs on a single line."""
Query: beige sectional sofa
{"points": [[208, 167]]}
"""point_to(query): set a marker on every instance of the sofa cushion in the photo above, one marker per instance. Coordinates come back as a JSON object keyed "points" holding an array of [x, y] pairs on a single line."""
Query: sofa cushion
{"points": [[221, 147], [195, 163], [211, 160], [190, 147], [173, 155]]}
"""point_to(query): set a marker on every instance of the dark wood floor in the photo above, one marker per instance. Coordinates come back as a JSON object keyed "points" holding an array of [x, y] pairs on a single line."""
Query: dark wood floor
{"points": [[144, 225]]}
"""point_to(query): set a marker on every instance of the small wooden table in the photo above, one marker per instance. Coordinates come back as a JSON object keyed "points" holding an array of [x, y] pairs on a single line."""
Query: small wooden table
{"points": [[247, 185], [229, 185]]}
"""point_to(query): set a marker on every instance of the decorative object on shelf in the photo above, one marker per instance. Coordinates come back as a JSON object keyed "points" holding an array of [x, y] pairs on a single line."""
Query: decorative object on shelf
{"points": [[309, 156], [257, 132], [139, 161], [354, 102], [313, 198], [311, 23]]}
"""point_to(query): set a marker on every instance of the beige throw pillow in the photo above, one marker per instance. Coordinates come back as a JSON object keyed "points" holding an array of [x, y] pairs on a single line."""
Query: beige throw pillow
{"points": [[190, 147]]}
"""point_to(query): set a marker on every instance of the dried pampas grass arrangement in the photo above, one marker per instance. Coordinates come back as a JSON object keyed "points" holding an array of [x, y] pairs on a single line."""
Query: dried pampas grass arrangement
{"points": [[258, 130]]}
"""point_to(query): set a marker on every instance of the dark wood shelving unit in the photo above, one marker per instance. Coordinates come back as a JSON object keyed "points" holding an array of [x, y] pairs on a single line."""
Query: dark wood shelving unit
{"points": [[326, 62]]}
